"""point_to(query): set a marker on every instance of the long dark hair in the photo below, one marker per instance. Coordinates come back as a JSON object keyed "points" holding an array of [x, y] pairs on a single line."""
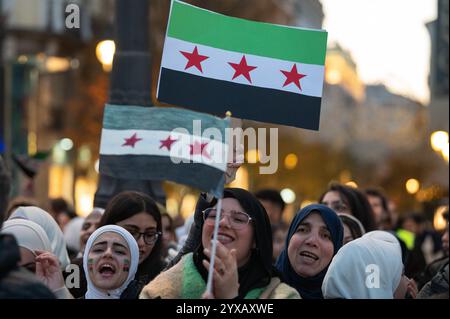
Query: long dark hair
{"points": [[359, 205], [127, 204]]}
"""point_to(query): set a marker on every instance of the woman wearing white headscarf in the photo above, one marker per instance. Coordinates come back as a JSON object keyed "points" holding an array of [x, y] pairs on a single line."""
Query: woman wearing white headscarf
{"points": [[30, 238], [72, 236], [369, 267], [35, 254], [110, 262], [51, 228]]}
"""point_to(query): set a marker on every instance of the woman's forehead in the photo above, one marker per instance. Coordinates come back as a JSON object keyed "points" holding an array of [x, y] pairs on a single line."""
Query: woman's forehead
{"points": [[334, 195], [314, 218], [112, 237], [230, 203]]}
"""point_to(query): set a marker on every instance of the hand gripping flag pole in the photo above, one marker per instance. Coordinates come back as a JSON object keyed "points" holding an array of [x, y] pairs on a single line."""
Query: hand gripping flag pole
{"points": [[209, 286]]}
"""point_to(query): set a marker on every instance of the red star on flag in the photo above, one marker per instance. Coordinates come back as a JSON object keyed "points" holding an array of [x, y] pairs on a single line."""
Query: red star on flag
{"points": [[194, 59], [131, 141], [167, 143], [199, 149], [242, 69], [293, 77]]}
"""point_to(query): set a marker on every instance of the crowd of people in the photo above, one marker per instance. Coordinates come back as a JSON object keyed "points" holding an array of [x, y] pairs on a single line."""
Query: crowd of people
{"points": [[348, 245]]}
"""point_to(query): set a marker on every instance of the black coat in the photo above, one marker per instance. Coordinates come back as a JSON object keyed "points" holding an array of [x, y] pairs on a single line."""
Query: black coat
{"points": [[436, 288]]}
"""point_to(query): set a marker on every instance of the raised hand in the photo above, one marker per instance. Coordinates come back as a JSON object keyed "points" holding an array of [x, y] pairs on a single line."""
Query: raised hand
{"points": [[225, 277], [48, 270]]}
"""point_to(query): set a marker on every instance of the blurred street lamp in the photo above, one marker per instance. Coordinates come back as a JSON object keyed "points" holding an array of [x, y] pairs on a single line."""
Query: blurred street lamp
{"points": [[334, 77], [439, 143], [22, 59], [445, 152], [55, 64], [291, 160], [252, 156], [241, 180], [97, 166], [288, 195], [105, 53], [412, 186], [66, 144], [306, 202], [439, 140], [439, 221], [188, 205]]}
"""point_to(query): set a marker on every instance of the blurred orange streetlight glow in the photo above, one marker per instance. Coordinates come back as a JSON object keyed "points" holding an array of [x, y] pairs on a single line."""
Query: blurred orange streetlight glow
{"points": [[105, 53], [439, 140], [412, 185]]}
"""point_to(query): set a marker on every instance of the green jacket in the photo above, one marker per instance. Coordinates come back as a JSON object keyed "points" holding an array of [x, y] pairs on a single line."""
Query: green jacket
{"points": [[183, 281]]}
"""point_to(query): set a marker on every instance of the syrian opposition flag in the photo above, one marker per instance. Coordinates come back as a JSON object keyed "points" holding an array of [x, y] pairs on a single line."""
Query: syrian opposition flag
{"points": [[258, 71], [159, 143]]}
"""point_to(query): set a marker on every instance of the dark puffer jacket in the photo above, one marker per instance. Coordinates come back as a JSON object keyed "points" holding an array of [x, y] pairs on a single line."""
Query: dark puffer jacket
{"points": [[436, 288]]}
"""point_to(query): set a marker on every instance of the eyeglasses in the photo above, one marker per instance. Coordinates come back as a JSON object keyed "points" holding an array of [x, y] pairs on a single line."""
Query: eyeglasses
{"points": [[237, 220], [149, 237]]}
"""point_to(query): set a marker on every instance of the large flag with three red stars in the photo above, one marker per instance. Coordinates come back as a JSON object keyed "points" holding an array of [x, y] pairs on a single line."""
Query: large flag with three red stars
{"points": [[159, 143], [270, 73]]}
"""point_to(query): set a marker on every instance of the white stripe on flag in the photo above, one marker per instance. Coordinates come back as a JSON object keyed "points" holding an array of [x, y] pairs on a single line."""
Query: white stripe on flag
{"points": [[267, 74], [214, 153]]}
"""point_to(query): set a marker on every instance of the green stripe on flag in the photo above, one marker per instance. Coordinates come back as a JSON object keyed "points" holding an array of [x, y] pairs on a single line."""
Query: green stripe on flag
{"points": [[126, 117], [204, 27]]}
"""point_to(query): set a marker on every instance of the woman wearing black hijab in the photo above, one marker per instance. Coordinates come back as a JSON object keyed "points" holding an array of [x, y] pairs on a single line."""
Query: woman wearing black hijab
{"points": [[243, 266], [314, 237]]}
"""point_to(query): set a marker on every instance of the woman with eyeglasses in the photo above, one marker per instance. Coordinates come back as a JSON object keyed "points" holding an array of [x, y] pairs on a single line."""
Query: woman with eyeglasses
{"points": [[243, 264], [349, 200]]}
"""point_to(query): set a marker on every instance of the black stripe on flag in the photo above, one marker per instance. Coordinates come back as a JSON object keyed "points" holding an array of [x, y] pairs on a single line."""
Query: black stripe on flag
{"points": [[148, 167], [244, 101]]}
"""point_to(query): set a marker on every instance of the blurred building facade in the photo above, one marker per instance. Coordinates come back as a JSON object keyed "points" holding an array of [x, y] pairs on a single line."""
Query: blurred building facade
{"points": [[438, 80], [308, 13], [41, 59], [439, 69]]}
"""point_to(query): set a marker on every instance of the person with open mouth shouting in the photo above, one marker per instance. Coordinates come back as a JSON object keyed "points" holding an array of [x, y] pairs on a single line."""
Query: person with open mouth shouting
{"points": [[314, 237], [110, 260]]}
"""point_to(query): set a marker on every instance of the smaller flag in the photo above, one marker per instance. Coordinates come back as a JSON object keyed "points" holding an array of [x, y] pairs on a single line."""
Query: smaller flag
{"points": [[159, 143]]}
